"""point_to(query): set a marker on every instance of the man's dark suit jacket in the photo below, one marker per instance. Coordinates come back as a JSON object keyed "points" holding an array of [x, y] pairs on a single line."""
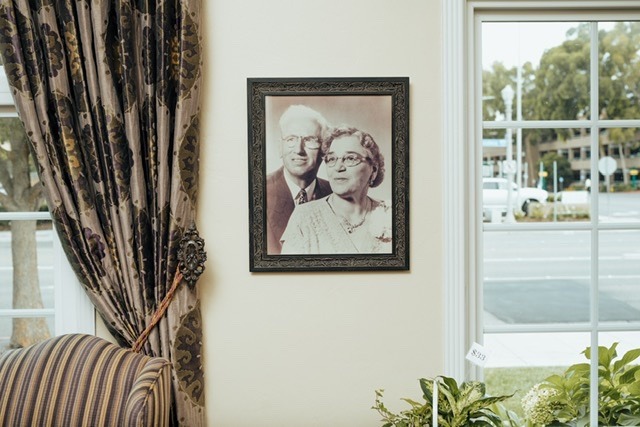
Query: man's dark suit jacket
{"points": [[280, 206]]}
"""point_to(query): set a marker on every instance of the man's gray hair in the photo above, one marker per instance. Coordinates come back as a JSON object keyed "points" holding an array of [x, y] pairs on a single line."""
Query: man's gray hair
{"points": [[298, 112]]}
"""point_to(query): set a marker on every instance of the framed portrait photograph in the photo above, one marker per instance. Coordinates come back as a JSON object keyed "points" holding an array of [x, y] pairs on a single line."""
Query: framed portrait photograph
{"points": [[328, 174]]}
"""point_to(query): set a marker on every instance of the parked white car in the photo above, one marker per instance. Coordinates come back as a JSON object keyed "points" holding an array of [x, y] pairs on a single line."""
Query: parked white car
{"points": [[495, 193]]}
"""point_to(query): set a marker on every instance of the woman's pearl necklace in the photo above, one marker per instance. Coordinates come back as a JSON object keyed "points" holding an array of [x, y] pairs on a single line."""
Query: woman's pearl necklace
{"points": [[348, 226]]}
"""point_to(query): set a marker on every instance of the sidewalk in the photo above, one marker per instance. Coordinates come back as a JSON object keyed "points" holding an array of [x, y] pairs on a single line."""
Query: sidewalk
{"points": [[550, 349]]}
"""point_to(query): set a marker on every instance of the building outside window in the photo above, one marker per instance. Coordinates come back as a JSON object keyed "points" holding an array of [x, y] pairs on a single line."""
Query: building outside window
{"points": [[39, 294]]}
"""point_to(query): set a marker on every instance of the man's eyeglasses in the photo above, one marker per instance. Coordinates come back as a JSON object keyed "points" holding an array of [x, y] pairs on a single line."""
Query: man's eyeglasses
{"points": [[311, 142], [349, 160]]}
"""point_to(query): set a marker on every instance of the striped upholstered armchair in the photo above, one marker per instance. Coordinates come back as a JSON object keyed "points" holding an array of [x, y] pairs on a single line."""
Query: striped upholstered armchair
{"points": [[83, 380]]}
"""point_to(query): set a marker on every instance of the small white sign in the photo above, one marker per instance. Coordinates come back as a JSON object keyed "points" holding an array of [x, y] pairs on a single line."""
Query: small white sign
{"points": [[509, 166], [478, 355], [607, 165]]}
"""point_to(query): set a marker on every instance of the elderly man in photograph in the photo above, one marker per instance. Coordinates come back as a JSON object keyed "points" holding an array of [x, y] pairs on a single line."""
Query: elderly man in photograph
{"points": [[302, 130]]}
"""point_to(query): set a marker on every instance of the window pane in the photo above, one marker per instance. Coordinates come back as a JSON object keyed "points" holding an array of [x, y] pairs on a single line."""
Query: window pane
{"points": [[494, 151], [6, 266], [627, 340], [44, 242], [614, 391], [536, 277], [553, 58], [620, 161], [26, 279], [5, 92], [619, 70], [567, 195], [519, 361], [7, 326], [557, 349], [40, 256], [18, 176], [619, 283], [541, 71]]}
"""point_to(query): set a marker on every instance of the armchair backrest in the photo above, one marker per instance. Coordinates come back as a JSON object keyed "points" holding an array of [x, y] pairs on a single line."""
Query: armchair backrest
{"points": [[83, 380]]}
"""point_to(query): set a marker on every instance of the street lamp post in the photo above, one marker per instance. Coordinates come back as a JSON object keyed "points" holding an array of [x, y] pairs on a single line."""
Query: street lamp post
{"points": [[507, 96]]}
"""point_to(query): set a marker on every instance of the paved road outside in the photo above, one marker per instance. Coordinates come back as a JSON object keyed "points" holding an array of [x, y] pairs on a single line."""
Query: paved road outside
{"points": [[550, 349], [544, 277]]}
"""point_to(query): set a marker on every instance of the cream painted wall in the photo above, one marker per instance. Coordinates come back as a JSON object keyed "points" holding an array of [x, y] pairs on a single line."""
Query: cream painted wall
{"points": [[309, 349]]}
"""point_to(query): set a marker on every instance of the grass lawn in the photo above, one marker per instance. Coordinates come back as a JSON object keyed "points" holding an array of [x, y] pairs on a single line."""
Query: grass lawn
{"points": [[501, 381]]}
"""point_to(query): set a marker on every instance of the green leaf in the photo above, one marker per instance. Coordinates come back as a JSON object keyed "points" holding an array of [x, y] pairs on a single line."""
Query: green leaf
{"points": [[634, 388], [451, 384], [579, 369], [629, 357], [426, 386], [488, 416], [413, 403], [629, 420], [482, 423], [446, 401], [630, 375], [554, 380], [605, 355], [485, 403], [470, 392]]}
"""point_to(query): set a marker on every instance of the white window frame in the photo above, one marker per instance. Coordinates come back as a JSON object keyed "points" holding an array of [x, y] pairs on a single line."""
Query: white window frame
{"points": [[73, 311], [461, 203]]}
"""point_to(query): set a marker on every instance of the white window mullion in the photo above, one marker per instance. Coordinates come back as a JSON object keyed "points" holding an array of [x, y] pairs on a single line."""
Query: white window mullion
{"points": [[476, 288], [594, 298], [454, 202], [561, 327], [8, 112], [550, 226], [558, 124], [27, 312], [24, 216]]}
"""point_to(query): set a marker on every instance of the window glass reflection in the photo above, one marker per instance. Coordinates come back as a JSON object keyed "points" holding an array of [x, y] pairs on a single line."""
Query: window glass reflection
{"points": [[536, 277], [619, 73], [519, 361], [550, 183], [619, 278], [548, 61]]}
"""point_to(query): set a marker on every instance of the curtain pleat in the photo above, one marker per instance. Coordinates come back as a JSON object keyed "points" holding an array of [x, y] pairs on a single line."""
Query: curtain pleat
{"points": [[109, 94]]}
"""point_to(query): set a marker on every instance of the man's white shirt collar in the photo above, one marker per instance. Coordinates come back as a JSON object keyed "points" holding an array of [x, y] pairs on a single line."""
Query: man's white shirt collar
{"points": [[294, 189]]}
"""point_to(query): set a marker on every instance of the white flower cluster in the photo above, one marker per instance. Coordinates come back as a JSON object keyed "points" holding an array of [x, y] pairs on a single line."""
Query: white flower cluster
{"points": [[539, 405]]}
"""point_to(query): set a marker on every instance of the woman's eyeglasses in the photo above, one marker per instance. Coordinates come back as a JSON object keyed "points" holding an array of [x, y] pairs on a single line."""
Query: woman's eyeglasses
{"points": [[349, 160], [311, 142]]}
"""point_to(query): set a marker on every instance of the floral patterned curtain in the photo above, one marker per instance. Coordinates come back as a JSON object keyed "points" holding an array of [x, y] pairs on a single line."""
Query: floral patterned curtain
{"points": [[109, 95]]}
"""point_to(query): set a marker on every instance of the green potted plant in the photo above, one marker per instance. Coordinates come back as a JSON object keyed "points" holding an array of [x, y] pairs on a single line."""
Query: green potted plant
{"points": [[465, 405], [563, 400]]}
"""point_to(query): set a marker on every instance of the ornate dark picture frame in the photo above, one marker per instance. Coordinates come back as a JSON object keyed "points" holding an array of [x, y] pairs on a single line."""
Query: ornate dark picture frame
{"points": [[379, 106]]}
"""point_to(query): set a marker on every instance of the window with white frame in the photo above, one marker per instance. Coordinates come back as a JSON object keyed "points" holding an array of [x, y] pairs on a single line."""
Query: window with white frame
{"points": [[39, 294], [550, 255]]}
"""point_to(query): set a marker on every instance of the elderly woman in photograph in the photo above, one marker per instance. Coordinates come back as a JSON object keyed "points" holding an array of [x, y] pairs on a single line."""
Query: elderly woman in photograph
{"points": [[348, 220]]}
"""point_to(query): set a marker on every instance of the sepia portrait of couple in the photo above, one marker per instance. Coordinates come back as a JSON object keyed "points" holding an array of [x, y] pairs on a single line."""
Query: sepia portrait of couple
{"points": [[325, 185]]}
